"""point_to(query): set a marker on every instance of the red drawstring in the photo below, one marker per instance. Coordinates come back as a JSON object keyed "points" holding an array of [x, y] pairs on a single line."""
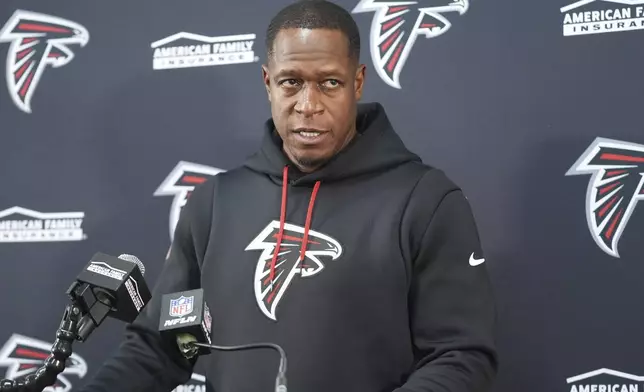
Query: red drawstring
{"points": [[282, 219], [307, 226]]}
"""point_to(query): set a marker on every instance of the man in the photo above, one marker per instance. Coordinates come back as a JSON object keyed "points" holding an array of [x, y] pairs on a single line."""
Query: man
{"points": [[333, 241]]}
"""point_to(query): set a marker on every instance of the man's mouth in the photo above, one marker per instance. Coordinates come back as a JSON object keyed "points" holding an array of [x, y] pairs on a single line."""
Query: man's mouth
{"points": [[309, 133]]}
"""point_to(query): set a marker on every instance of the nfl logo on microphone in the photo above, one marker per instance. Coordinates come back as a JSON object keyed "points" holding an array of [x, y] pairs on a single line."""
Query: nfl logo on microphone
{"points": [[181, 306]]}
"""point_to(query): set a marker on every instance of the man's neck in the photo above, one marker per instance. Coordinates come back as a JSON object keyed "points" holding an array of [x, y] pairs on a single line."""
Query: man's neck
{"points": [[311, 168]]}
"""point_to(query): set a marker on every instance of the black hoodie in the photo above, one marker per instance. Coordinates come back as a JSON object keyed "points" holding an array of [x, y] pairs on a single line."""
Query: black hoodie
{"points": [[377, 283]]}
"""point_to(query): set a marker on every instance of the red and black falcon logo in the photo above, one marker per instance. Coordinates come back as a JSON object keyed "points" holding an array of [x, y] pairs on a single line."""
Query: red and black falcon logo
{"points": [[180, 183], [395, 26], [268, 293], [37, 40], [615, 187], [22, 356]]}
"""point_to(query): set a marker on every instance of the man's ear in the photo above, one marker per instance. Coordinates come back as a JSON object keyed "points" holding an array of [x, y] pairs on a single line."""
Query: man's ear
{"points": [[267, 80], [359, 81]]}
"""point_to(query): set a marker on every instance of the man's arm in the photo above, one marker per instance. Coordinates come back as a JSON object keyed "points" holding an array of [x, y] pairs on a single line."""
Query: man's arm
{"points": [[144, 361], [452, 310]]}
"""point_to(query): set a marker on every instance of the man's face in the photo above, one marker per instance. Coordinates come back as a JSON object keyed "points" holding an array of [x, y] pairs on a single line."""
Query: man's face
{"points": [[313, 86]]}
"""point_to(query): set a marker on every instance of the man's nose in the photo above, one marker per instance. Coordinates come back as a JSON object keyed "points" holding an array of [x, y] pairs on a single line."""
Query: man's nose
{"points": [[309, 103]]}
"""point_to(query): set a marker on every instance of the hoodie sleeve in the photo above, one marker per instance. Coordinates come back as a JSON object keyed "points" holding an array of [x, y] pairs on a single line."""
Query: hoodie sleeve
{"points": [[144, 361], [452, 310]]}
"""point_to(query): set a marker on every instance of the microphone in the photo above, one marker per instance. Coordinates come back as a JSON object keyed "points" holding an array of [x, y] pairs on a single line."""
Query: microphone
{"points": [[185, 316], [109, 286]]}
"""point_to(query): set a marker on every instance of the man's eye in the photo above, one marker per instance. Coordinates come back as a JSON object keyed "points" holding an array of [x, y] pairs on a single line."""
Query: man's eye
{"points": [[331, 83], [289, 82]]}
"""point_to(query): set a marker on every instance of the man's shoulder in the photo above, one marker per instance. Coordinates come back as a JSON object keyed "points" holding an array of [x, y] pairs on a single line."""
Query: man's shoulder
{"points": [[224, 175], [433, 187], [228, 177], [430, 180]]}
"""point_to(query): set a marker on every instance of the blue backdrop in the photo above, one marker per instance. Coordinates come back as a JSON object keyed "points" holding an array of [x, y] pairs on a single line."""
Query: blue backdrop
{"points": [[110, 112]]}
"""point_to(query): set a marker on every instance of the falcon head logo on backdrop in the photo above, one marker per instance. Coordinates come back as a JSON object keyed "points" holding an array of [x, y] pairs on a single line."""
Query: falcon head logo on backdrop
{"points": [[22, 356], [180, 183], [288, 264], [37, 40], [615, 187], [395, 26]]}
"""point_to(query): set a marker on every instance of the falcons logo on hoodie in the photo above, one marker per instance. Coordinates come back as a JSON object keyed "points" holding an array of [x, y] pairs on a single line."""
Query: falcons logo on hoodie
{"points": [[37, 40], [615, 187], [288, 264], [395, 26], [22, 356], [180, 183]]}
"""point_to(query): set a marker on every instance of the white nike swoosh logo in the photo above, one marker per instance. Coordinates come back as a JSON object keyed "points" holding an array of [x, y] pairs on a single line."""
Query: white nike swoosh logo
{"points": [[474, 262]]}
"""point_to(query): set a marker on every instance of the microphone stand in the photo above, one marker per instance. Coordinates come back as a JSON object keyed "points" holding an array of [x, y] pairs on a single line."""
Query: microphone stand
{"points": [[55, 363], [189, 347]]}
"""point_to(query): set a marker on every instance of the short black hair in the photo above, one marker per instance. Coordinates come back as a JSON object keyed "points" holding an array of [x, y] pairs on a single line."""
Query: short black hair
{"points": [[315, 14]]}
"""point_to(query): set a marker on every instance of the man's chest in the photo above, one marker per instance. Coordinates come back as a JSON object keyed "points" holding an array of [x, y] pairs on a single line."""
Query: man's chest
{"points": [[348, 258]]}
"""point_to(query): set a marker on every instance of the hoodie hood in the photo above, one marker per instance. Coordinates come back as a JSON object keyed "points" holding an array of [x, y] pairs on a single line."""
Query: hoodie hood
{"points": [[375, 148]]}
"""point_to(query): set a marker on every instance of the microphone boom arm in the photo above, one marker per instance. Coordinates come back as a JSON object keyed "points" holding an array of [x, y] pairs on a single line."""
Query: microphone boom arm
{"points": [[55, 363], [94, 295]]}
